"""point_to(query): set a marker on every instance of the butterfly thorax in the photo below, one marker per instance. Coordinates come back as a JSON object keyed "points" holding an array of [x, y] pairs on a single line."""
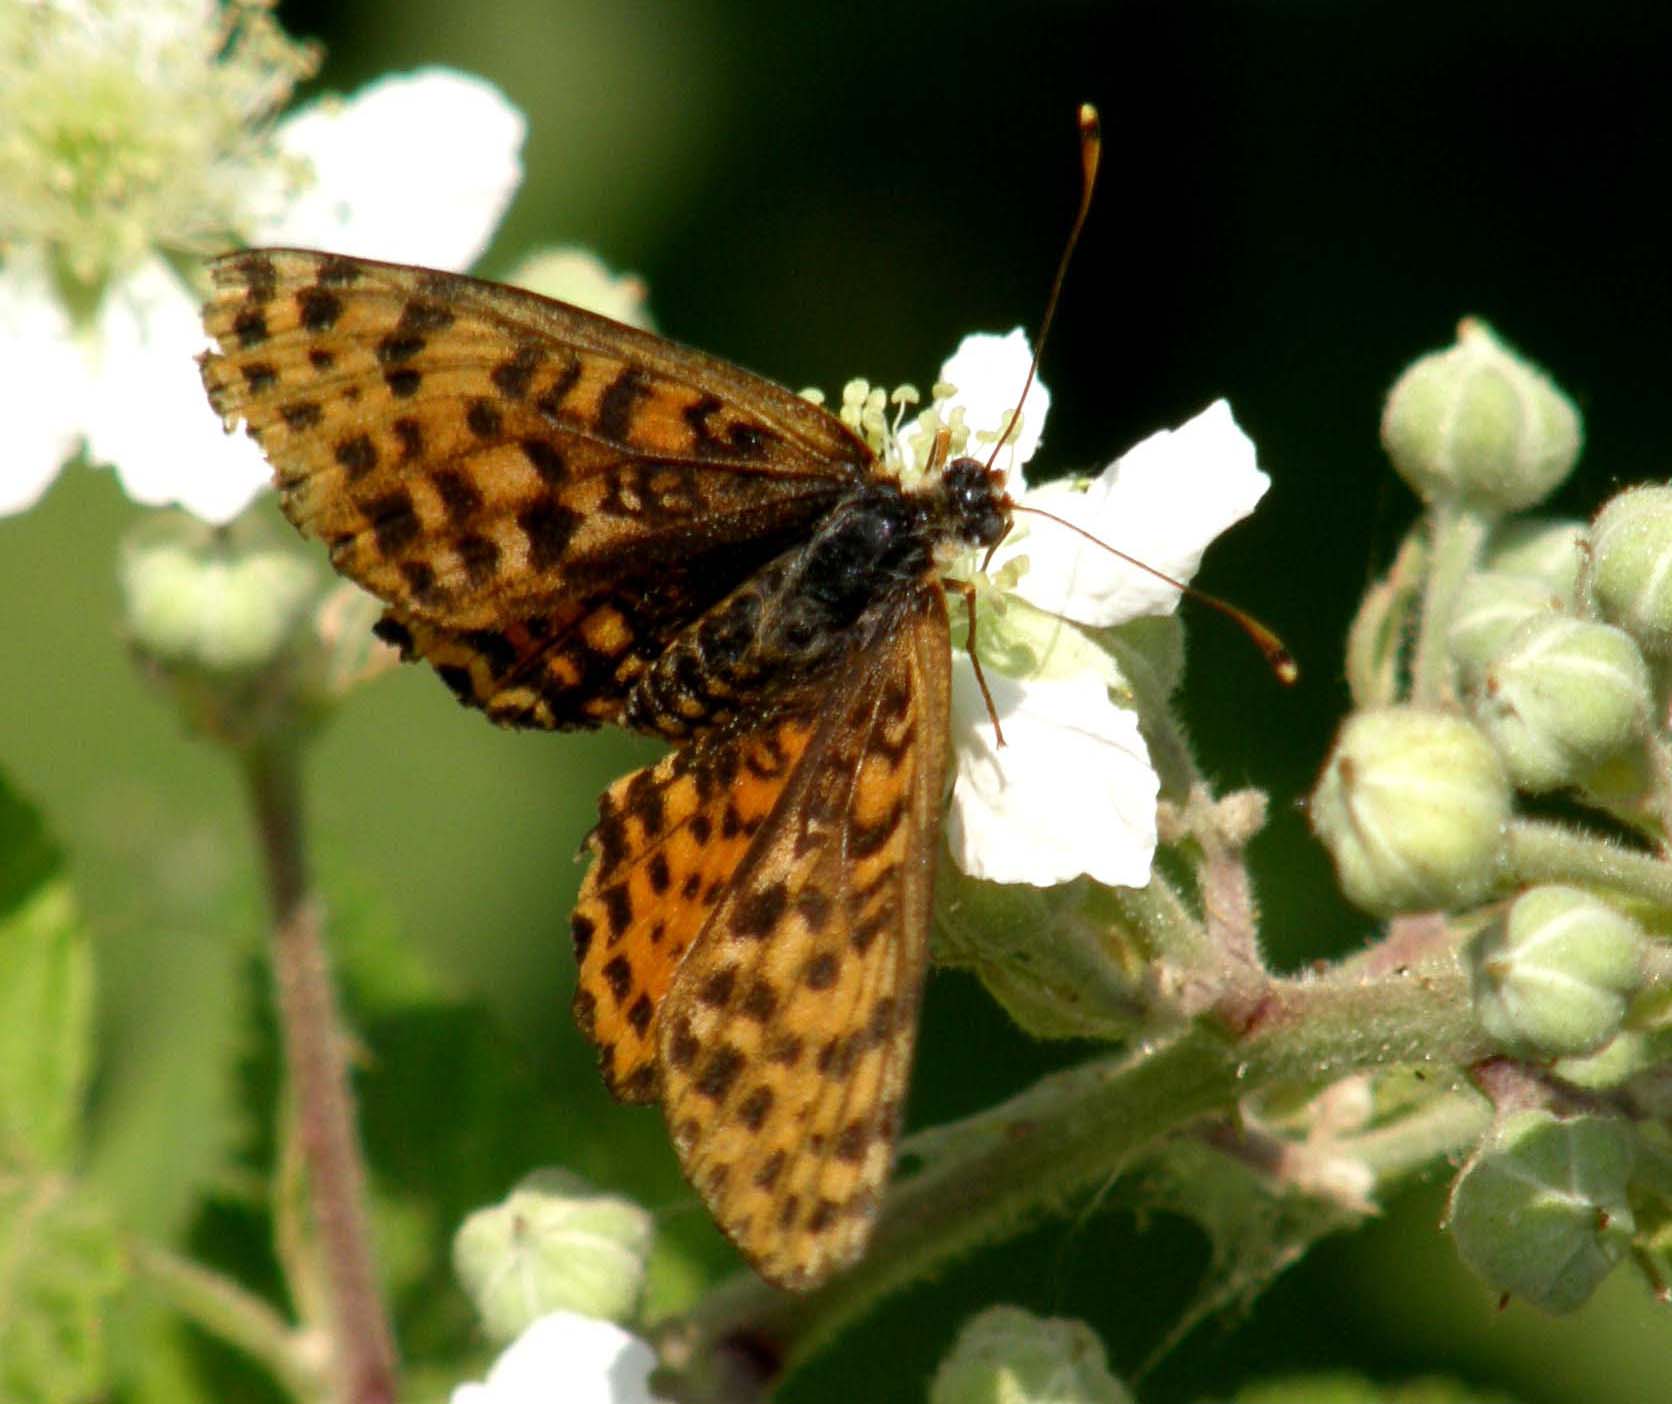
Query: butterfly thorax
{"points": [[784, 634]]}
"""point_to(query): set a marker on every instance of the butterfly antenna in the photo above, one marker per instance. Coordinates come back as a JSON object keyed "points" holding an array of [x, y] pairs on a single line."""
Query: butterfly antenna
{"points": [[1091, 152], [1276, 653]]}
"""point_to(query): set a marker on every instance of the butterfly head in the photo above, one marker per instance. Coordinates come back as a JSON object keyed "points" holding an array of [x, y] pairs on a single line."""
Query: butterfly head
{"points": [[974, 507]]}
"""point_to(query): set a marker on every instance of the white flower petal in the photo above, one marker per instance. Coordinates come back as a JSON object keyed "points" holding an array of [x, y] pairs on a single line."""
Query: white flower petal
{"points": [[1072, 791], [989, 372], [415, 168], [43, 425], [566, 1358], [145, 412], [1162, 502]]}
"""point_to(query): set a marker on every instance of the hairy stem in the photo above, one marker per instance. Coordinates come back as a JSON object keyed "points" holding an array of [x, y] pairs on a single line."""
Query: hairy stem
{"points": [[978, 1178], [362, 1343], [1457, 538], [1546, 852], [232, 1313]]}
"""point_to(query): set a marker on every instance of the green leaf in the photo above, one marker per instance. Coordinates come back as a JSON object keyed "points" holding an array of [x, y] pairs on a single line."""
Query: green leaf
{"points": [[169, 1118], [1338, 1388], [449, 1113], [46, 999], [28, 856], [60, 1267]]}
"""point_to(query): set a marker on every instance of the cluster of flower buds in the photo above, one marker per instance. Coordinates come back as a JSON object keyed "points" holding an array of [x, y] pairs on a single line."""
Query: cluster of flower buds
{"points": [[248, 637], [1505, 660]]}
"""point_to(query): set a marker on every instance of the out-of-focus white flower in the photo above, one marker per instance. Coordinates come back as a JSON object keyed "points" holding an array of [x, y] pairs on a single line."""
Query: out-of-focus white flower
{"points": [[136, 139], [1072, 791], [566, 1358], [579, 276]]}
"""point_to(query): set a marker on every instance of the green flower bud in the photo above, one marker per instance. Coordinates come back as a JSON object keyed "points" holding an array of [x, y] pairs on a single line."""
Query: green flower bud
{"points": [[1491, 606], [1010, 1356], [1622, 1058], [1563, 697], [1412, 805], [1540, 1211], [1477, 425], [218, 599], [1547, 549], [1631, 576], [1553, 975], [1058, 959], [553, 1243]]}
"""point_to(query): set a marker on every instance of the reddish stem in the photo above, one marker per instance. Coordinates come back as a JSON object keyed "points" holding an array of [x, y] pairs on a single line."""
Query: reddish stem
{"points": [[362, 1343]]}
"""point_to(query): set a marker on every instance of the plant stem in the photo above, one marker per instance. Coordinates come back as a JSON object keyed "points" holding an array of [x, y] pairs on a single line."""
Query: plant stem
{"points": [[232, 1313], [1171, 927], [982, 1176], [1545, 852], [1415, 1141], [1458, 535], [362, 1343]]}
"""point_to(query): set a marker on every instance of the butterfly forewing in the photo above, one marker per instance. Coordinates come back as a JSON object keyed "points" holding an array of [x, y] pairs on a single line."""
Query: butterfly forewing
{"points": [[541, 496], [785, 1040]]}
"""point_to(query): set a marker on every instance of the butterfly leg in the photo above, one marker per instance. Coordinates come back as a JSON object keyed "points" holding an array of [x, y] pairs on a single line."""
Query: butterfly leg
{"points": [[966, 588]]}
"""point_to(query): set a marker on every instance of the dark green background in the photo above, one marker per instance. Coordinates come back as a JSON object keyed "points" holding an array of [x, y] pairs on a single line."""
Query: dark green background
{"points": [[1296, 200]]}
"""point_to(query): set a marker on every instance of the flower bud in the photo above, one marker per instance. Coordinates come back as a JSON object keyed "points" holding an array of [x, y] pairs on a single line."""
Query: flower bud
{"points": [[1477, 425], [1540, 1211], [1010, 1356], [1491, 606], [221, 600], [1626, 1055], [1412, 805], [1059, 960], [554, 1243], [1631, 578], [1553, 975], [1561, 698], [1547, 549]]}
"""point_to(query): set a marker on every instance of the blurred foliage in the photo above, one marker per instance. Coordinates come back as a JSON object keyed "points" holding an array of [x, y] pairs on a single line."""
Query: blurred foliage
{"points": [[1297, 198]]}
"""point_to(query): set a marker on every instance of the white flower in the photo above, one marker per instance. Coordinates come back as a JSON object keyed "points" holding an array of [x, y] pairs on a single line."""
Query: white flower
{"points": [[134, 139], [576, 275], [566, 1358], [1072, 790]]}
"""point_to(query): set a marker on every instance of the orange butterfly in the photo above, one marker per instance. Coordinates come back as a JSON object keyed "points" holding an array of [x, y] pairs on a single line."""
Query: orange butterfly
{"points": [[577, 523]]}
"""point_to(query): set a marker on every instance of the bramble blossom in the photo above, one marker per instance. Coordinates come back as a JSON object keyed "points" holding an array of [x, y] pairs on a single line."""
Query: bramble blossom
{"points": [[567, 1358], [135, 140], [1072, 790]]}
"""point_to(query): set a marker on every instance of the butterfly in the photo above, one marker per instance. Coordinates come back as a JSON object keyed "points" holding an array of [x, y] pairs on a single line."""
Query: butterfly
{"points": [[578, 523]]}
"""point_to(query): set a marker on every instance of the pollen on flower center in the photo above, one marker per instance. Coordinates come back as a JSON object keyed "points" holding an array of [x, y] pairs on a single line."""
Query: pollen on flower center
{"points": [[122, 130]]}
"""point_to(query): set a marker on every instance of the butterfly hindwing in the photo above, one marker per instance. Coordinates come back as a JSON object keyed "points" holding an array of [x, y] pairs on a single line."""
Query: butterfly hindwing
{"points": [[785, 1038], [541, 496], [668, 840]]}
